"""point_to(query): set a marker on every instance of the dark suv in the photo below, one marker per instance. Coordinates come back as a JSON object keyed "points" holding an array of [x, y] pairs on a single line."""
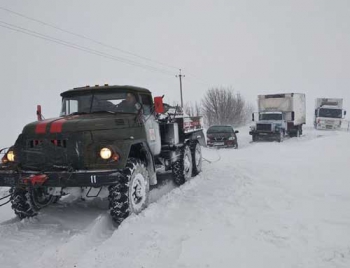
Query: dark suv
{"points": [[222, 136]]}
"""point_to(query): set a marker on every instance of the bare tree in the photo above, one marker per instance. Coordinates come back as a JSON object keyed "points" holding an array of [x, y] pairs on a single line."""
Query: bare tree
{"points": [[222, 106], [193, 109]]}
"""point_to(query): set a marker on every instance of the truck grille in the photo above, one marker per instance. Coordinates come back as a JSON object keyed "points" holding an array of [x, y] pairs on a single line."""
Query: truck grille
{"points": [[263, 127], [50, 152], [58, 143], [219, 138]]}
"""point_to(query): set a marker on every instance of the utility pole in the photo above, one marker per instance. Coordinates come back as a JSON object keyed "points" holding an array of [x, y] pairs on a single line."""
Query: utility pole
{"points": [[180, 77]]}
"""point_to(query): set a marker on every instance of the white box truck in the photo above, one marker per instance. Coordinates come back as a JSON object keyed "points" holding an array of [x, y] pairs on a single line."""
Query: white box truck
{"points": [[279, 115], [329, 113]]}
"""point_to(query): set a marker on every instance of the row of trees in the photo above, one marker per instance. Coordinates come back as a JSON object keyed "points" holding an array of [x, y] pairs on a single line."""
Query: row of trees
{"points": [[221, 106]]}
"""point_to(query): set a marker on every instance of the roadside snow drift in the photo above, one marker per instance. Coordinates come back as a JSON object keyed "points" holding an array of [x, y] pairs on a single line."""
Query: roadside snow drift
{"points": [[263, 205]]}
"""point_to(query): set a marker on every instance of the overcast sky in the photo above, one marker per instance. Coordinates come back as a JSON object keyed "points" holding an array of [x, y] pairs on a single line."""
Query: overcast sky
{"points": [[255, 46]]}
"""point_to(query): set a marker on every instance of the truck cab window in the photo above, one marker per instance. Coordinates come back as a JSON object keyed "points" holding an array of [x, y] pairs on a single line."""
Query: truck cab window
{"points": [[147, 104]]}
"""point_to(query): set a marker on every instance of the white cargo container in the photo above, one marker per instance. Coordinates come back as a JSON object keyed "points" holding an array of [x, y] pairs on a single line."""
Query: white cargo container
{"points": [[279, 115], [329, 113]]}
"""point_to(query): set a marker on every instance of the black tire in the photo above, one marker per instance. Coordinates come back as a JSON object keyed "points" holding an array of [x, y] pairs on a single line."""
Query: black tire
{"points": [[27, 203], [183, 166], [280, 138], [197, 159], [254, 138], [131, 193], [235, 146]]}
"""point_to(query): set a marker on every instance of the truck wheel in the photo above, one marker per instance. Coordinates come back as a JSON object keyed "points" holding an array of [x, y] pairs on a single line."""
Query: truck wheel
{"points": [[196, 151], [26, 203], [131, 193], [235, 146], [182, 167], [281, 137], [254, 138]]}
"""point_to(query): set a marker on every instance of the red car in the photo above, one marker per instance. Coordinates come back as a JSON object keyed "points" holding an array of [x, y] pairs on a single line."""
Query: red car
{"points": [[222, 136]]}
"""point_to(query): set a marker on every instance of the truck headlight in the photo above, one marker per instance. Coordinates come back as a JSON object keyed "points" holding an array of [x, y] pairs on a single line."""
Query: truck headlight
{"points": [[105, 153], [10, 156], [231, 138]]}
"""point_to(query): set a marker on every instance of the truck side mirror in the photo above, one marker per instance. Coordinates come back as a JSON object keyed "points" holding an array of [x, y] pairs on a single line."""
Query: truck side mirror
{"points": [[158, 105], [38, 113], [344, 113], [236, 131], [253, 117]]}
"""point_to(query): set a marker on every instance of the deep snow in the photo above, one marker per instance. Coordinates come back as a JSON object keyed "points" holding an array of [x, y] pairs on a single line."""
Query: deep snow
{"points": [[263, 205]]}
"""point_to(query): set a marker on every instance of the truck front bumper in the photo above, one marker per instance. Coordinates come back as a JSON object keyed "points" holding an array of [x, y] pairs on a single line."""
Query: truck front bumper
{"points": [[329, 126], [94, 178], [265, 134]]}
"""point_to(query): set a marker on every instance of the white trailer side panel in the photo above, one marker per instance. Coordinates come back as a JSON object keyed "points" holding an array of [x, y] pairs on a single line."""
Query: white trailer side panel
{"points": [[284, 104], [299, 109]]}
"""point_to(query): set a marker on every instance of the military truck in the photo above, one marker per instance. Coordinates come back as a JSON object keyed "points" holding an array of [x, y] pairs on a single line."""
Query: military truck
{"points": [[107, 142], [279, 115]]}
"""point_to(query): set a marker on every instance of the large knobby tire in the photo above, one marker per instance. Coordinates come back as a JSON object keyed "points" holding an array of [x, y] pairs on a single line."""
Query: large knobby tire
{"points": [[131, 193], [26, 203], [183, 166], [197, 159]]}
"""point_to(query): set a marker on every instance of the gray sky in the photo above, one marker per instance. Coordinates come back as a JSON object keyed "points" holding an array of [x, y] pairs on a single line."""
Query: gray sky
{"points": [[255, 46]]}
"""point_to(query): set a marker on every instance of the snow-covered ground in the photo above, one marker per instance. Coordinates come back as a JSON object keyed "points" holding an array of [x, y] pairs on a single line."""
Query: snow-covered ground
{"points": [[263, 205]]}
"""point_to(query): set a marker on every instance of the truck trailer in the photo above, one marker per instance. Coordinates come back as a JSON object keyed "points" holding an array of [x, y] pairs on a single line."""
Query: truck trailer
{"points": [[279, 115]]}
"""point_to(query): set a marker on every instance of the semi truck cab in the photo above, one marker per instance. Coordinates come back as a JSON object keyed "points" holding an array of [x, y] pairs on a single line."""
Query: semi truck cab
{"points": [[329, 117], [329, 113]]}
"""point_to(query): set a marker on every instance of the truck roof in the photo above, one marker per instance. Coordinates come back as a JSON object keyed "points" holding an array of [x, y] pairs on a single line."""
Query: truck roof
{"points": [[96, 88], [281, 95]]}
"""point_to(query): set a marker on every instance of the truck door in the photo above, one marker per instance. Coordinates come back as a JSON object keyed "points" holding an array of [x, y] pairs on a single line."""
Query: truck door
{"points": [[151, 125]]}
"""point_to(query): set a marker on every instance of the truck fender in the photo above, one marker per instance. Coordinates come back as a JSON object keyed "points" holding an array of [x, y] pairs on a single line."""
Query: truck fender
{"points": [[197, 136], [143, 151]]}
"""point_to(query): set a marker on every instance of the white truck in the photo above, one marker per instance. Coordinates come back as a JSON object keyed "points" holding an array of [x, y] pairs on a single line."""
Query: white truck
{"points": [[279, 115], [329, 113]]}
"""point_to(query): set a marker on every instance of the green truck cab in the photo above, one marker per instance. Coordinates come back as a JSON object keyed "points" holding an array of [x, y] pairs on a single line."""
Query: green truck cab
{"points": [[109, 141]]}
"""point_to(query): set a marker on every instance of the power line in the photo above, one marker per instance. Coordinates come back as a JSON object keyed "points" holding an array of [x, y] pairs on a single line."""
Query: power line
{"points": [[87, 38], [201, 81], [96, 52], [79, 47]]}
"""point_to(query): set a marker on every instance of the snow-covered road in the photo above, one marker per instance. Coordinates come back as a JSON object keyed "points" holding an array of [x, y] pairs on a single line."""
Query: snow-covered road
{"points": [[264, 205]]}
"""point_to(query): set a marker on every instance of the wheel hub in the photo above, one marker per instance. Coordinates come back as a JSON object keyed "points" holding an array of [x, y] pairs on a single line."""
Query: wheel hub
{"points": [[138, 189], [187, 163], [198, 155]]}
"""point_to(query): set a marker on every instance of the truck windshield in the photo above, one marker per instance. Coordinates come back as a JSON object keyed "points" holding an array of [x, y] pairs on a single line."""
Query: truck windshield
{"points": [[271, 116], [120, 102], [330, 113], [220, 129]]}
